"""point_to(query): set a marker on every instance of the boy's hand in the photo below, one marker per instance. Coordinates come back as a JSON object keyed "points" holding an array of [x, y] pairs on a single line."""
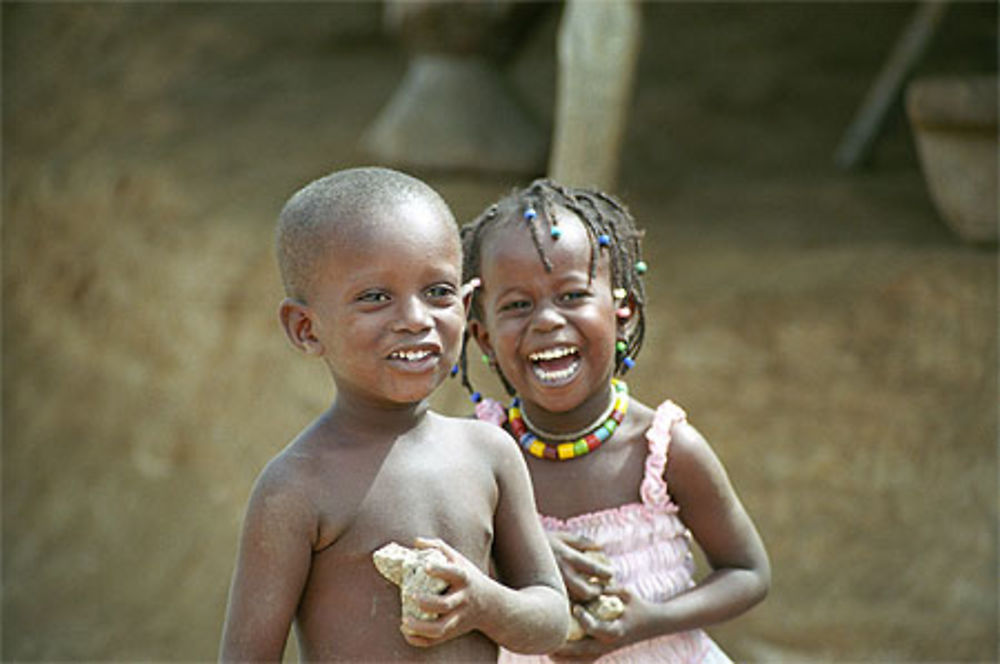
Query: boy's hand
{"points": [[583, 576], [456, 608]]}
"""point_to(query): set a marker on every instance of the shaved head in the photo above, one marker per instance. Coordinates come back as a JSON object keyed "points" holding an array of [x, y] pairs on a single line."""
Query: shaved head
{"points": [[335, 208]]}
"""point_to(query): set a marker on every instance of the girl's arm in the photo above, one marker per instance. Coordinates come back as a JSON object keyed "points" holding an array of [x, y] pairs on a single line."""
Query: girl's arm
{"points": [[271, 570], [710, 508]]}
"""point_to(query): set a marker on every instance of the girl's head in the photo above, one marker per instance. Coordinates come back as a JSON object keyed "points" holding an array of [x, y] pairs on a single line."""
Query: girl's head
{"points": [[561, 307]]}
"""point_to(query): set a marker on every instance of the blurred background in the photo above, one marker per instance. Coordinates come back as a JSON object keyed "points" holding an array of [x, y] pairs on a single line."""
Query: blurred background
{"points": [[826, 327]]}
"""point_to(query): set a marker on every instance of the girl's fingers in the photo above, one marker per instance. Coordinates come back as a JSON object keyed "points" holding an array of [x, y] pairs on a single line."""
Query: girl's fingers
{"points": [[577, 541]]}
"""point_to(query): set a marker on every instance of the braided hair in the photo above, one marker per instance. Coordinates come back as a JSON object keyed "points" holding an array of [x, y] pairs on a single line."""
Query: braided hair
{"points": [[610, 229]]}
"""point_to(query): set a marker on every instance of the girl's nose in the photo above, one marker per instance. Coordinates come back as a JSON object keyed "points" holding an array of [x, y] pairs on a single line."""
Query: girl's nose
{"points": [[414, 315], [547, 317]]}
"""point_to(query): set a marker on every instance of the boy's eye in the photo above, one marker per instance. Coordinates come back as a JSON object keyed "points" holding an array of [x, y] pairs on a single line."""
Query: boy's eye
{"points": [[373, 297], [441, 291]]}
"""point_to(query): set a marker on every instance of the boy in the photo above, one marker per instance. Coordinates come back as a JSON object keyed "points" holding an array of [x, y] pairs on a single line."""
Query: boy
{"points": [[371, 263]]}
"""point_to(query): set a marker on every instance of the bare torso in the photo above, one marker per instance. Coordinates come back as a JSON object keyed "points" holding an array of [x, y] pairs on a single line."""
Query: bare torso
{"points": [[429, 482]]}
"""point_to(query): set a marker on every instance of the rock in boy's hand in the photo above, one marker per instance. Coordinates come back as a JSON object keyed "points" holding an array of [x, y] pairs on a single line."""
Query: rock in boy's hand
{"points": [[454, 608]]}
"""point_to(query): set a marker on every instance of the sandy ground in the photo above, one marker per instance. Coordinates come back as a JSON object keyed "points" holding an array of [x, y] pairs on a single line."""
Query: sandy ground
{"points": [[825, 330]]}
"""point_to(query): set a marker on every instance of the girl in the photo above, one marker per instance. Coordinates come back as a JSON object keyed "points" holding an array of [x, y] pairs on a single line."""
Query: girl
{"points": [[560, 317]]}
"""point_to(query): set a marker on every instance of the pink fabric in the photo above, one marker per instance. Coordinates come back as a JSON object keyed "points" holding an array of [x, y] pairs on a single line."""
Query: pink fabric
{"points": [[650, 550]]}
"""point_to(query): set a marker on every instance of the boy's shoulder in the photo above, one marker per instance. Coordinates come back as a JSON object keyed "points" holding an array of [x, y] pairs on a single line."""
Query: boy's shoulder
{"points": [[292, 469], [488, 437]]}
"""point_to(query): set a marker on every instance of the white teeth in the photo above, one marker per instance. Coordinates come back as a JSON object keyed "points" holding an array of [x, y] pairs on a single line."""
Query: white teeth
{"points": [[554, 376], [552, 354], [410, 355]]}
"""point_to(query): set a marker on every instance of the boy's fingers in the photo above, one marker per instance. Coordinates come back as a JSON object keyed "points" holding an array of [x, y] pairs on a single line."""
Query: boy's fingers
{"points": [[440, 604], [435, 543]]}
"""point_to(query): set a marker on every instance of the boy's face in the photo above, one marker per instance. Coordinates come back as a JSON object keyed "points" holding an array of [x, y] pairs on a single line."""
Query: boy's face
{"points": [[386, 306], [553, 333]]}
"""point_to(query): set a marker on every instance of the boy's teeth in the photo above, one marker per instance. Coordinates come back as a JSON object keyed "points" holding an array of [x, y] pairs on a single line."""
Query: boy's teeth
{"points": [[410, 355], [551, 354]]}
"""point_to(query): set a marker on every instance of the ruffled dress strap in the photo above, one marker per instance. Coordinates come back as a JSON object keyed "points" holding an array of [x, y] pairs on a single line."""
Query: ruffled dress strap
{"points": [[653, 489], [492, 411]]}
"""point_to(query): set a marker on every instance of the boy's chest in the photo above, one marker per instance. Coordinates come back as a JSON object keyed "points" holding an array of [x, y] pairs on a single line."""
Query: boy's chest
{"points": [[410, 494]]}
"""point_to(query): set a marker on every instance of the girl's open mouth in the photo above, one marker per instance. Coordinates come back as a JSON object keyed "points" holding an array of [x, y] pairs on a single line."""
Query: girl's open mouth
{"points": [[555, 365]]}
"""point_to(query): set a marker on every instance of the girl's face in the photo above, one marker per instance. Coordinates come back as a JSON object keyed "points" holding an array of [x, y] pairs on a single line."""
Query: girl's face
{"points": [[552, 333]]}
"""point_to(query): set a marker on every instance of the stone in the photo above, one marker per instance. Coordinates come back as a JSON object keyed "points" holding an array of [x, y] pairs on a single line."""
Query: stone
{"points": [[407, 568], [603, 607]]}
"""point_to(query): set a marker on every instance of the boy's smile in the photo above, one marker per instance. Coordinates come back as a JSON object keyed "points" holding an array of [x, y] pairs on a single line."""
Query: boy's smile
{"points": [[387, 307], [553, 333]]}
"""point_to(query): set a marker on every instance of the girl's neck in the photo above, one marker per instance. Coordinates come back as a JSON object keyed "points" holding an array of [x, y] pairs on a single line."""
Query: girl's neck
{"points": [[588, 414]]}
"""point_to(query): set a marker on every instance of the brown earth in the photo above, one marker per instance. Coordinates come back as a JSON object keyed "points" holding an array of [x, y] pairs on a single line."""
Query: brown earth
{"points": [[825, 330]]}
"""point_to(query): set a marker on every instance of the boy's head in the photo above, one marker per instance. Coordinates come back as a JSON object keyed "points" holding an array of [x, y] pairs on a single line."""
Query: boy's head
{"points": [[612, 237], [371, 262], [327, 210]]}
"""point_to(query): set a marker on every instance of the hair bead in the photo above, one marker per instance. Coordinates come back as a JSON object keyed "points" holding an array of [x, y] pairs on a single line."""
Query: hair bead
{"points": [[628, 362], [641, 267], [530, 214], [604, 240], [556, 232]]}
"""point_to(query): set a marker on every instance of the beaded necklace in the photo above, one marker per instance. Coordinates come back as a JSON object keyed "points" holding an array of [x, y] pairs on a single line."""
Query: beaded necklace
{"points": [[584, 444]]}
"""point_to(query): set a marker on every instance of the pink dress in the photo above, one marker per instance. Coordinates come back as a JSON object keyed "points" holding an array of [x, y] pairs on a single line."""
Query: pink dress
{"points": [[649, 547]]}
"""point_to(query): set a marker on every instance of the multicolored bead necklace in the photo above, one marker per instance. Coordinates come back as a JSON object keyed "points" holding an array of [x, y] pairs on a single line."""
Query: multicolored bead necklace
{"points": [[584, 444]]}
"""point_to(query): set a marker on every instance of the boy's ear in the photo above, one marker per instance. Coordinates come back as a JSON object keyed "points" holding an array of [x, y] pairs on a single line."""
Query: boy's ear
{"points": [[296, 319]]}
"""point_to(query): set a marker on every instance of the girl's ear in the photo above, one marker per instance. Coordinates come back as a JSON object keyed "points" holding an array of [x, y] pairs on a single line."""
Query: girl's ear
{"points": [[482, 337], [296, 319], [627, 313]]}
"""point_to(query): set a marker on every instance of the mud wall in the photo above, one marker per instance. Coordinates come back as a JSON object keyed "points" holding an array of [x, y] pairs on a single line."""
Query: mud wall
{"points": [[823, 329]]}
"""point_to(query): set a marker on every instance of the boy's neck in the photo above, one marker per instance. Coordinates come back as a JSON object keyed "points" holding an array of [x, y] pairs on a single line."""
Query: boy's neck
{"points": [[365, 416]]}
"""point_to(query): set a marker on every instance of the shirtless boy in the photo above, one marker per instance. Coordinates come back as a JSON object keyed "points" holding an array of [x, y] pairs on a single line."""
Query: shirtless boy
{"points": [[371, 263]]}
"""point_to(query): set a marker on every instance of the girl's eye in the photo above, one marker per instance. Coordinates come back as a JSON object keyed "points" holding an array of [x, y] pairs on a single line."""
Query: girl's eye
{"points": [[573, 296], [515, 306]]}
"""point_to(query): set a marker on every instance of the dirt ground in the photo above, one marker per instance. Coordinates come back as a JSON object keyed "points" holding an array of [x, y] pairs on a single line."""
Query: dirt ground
{"points": [[825, 330]]}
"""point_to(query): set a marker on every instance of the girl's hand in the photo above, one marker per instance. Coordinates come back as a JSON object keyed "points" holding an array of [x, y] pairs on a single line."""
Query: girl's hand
{"points": [[583, 576], [603, 637], [456, 609]]}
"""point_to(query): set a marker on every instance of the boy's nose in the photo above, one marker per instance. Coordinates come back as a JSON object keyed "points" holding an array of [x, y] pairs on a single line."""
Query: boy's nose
{"points": [[414, 315]]}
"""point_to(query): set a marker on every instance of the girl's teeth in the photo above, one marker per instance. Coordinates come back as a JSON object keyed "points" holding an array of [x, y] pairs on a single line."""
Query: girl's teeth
{"points": [[553, 376], [551, 354]]}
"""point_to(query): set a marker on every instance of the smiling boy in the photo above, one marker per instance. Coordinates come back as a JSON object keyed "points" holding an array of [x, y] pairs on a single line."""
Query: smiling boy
{"points": [[371, 263]]}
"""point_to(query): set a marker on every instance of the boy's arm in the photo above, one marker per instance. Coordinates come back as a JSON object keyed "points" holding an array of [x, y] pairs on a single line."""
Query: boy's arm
{"points": [[534, 610], [271, 569]]}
